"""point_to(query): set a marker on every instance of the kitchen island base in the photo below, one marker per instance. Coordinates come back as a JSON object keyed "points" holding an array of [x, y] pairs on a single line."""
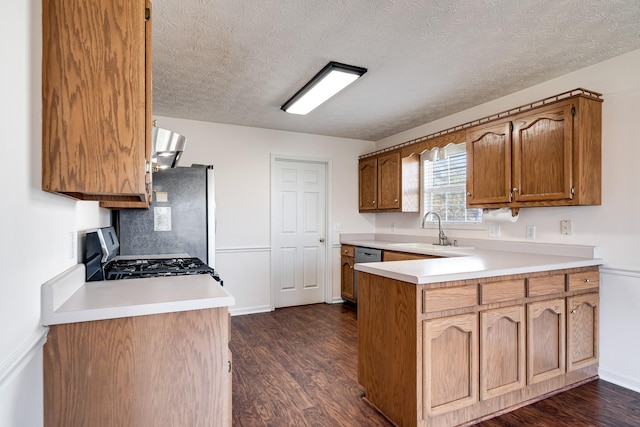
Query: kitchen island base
{"points": [[453, 353]]}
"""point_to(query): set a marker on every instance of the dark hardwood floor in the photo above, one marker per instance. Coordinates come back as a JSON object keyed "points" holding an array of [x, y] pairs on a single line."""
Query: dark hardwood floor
{"points": [[298, 367]]}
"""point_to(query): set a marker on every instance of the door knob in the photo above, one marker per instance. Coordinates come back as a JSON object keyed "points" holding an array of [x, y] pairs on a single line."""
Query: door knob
{"points": [[322, 240]]}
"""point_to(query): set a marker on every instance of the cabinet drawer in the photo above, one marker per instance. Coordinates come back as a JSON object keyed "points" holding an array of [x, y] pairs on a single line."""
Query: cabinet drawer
{"points": [[584, 280], [501, 291], [449, 298], [347, 250], [538, 286]]}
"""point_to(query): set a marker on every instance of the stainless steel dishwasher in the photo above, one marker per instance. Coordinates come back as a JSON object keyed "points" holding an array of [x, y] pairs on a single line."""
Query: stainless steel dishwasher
{"points": [[364, 255]]}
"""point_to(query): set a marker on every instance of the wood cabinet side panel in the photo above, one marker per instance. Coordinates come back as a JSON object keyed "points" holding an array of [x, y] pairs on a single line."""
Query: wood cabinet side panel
{"points": [[93, 93], [387, 346], [89, 374], [587, 129], [168, 369]]}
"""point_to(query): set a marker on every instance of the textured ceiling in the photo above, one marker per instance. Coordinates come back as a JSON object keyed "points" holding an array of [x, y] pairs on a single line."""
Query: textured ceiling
{"points": [[237, 61]]}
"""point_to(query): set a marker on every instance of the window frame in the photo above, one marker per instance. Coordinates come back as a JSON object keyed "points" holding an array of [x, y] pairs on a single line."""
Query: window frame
{"points": [[432, 222]]}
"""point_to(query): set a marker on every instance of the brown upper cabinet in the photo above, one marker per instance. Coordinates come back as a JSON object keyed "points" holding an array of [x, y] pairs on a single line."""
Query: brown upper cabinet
{"points": [[389, 183], [547, 156], [96, 100]]}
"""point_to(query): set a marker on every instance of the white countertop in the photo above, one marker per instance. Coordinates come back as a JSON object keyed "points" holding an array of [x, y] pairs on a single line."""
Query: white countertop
{"points": [[67, 298], [464, 264]]}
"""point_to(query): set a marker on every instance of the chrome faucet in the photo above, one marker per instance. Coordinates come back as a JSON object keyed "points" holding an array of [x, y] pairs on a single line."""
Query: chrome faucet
{"points": [[442, 238]]}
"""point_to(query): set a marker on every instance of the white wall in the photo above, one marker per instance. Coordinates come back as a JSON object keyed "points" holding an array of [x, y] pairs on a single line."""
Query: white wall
{"points": [[614, 226], [36, 226], [242, 162]]}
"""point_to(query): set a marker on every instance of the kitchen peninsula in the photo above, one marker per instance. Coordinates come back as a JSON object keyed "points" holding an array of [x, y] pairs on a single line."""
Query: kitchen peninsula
{"points": [[477, 331], [153, 352]]}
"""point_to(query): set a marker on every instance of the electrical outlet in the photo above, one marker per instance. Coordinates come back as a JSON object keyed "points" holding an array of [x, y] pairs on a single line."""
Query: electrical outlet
{"points": [[566, 227], [531, 232], [493, 231]]}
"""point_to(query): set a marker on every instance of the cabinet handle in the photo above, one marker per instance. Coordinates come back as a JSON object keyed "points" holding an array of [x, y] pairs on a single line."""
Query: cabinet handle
{"points": [[229, 366]]}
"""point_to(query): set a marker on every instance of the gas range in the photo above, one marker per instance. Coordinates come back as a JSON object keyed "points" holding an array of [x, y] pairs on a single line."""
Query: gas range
{"points": [[154, 267], [102, 264]]}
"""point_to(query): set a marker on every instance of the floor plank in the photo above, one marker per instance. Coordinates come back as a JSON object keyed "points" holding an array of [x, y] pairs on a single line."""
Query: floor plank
{"points": [[297, 366]]}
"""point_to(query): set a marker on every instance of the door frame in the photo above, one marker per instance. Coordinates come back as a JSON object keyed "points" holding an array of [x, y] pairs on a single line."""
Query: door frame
{"points": [[328, 240]]}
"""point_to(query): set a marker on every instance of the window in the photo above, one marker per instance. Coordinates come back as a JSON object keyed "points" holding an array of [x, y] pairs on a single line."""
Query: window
{"points": [[444, 189]]}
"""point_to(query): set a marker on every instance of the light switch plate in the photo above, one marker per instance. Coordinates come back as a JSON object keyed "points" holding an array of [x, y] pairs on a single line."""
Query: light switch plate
{"points": [[531, 232]]}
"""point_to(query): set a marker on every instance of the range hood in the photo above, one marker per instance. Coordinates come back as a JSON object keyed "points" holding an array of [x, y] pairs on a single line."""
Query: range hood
{"points": [[166, 148]]}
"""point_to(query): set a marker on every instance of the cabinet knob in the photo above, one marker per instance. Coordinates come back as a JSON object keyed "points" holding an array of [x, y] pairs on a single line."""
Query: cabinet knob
{"points": [[587, 281], [395, 200], [373, 203], [322, 240], [574, 311], [468, 194], [515, 189]]}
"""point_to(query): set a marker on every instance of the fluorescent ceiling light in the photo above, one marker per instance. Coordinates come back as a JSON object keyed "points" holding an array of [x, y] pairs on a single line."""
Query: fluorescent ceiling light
{"points": [[330, 80]]}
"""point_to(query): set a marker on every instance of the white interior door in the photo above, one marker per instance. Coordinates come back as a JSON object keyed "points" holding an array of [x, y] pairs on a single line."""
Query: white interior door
{"points": [[298, 222]]}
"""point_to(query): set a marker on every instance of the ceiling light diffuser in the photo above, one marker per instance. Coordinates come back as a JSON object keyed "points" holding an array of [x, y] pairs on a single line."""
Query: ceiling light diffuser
{"points": [[330, 80]]}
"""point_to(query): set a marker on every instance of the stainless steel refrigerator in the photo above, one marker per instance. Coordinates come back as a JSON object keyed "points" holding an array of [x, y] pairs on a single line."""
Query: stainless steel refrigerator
{"points": [[180, 220]]}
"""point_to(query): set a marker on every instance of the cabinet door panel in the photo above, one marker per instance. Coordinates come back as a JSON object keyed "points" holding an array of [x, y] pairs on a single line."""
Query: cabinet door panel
{"points": [[368, 184], [502, 351], [389, 183], [347, 290], [542, 144], [582, 331], [450, 377], [545, 340], [489, 164]]}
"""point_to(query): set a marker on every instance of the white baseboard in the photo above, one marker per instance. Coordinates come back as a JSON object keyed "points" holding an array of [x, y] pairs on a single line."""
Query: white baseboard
{"points": [[250, 310], [11, 367], [619, 380]]}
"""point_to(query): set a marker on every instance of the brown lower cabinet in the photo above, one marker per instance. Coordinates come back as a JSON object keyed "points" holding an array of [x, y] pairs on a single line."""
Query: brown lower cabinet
{"points": [[450, 353], [169, 369]]}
